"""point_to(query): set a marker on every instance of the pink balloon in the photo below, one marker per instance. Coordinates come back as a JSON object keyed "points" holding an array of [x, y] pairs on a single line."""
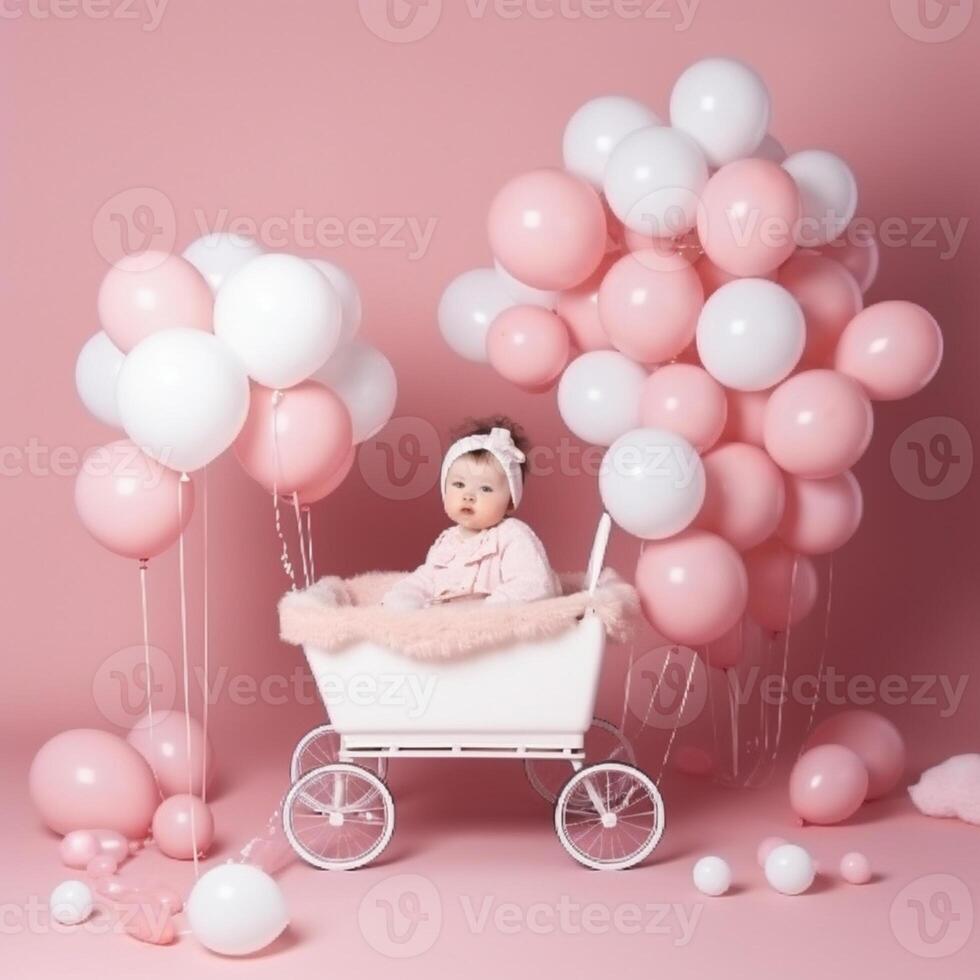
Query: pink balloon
{"points": [[149, 291], [649, 305], [312, 434], [747, 217], [179, 822], [855, 868], [114, 889], [776, 601], [857, 250], [893, 349], [330, 481], [818, 423], [115, 845], [164, 746], [88, 778], [827, 784], [876, 741], [727, 651], [713, 276], [692, 586], [164, 896], [579, 308], [829, 297], [821, 515], [129, 502], [78, 848], [101, 866], [548, 229], [684, 399], [528, 346], [746, 417], [153, 926], [744, 494]]}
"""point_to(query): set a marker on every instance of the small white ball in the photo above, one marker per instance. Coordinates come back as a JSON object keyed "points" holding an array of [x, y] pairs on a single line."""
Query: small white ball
{"points": [[71, 902], [712, 875], [790, 869]]}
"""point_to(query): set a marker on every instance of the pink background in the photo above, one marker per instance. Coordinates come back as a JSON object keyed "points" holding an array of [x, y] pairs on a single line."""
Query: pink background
{"points": [[264, 109]]}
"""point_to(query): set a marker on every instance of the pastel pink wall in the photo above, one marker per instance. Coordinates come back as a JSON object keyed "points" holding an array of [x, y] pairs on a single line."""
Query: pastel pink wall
{"points": [[265, 109]]}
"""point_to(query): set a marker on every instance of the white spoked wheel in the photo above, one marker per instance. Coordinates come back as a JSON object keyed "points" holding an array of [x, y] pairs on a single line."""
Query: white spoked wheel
{"points": [[339, 816], [321, 747], [603, 742], [609, 816]]}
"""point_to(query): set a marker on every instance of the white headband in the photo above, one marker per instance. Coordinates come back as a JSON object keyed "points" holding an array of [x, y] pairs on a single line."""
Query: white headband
{"points": [[500, 443]]}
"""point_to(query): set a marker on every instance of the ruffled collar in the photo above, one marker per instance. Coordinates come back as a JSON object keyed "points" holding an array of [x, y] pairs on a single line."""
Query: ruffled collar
{"points": [[471, 548]]}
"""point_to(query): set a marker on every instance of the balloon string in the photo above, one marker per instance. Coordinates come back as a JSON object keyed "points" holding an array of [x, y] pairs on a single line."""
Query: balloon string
{"points": [[656, 689], [823, 653], [146, 648], [207, 688], [287, 565], [626, 687], [309, 541], [186, 669], [677, 718], [733, 715], [786, 640], [302, 543]]}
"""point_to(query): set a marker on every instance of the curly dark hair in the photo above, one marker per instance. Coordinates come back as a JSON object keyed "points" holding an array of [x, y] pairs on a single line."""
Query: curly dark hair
{"points": [[481, 427]]}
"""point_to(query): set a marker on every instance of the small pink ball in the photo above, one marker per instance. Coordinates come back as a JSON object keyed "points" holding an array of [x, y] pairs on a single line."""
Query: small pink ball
{"points": [[855, 868], [78, 848], [101, 866], [765, 848], [179, 822]]}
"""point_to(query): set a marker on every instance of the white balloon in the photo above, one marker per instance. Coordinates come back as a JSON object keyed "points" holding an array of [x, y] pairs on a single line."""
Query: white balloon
{"points": [[468, 306], [750, 334], [183, 397], [770, 149], [654, 181], [594, 130], [524, 295], [96, 374], [652, 483], [236, 909], [829, 194], [599, 396], [724, 105], [789, 869], [365, 380], [281, 316], [350, 298], [220, 254], [712, 875], [71, 902]]}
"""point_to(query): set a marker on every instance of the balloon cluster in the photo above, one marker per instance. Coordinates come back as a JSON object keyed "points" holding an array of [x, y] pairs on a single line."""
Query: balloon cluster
{"points": [[223, 346], [696, 296]]}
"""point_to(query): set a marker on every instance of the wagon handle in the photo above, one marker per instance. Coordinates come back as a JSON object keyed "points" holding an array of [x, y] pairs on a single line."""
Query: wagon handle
{"points": [[598, 554]]}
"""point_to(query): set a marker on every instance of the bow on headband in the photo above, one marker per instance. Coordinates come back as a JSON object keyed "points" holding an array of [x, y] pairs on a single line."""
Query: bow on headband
{"points": [[500, 443]]}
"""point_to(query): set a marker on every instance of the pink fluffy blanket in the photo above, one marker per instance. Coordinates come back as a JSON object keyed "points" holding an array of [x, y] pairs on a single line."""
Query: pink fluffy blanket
{"points": [[335, 612]]}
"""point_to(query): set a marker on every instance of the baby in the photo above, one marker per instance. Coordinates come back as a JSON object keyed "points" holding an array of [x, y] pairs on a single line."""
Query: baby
{"points": [[486, 555]]}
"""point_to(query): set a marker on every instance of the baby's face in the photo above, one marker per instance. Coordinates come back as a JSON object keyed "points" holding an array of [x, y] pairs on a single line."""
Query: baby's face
{"points": [[477, 495]]}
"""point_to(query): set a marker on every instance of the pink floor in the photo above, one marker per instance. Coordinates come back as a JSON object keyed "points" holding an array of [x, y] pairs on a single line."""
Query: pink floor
{"points": [[479, 886]]}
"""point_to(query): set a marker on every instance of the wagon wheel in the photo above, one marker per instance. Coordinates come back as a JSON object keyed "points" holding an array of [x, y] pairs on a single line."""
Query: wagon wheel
{"points": [[350, 821], [321, 747], [603, 742], [609, 816]]}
